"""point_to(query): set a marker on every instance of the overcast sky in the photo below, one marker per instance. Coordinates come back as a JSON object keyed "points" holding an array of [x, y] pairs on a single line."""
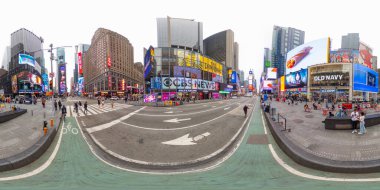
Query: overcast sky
{"points": [[72, 22]]}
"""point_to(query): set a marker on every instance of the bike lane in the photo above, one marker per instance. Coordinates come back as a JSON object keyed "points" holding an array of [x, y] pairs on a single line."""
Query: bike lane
{"points": [[250, 167]]}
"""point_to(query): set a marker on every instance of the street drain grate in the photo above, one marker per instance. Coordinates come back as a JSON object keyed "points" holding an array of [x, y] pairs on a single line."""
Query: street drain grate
{"points": [[257, 139]]}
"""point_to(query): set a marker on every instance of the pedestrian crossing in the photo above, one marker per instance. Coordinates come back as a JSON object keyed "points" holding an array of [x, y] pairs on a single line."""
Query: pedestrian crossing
{"points": [[93, 109]]}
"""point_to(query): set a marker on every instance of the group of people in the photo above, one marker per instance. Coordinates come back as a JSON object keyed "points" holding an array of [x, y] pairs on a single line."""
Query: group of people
{"points": [[79, 104], [358, 118]]}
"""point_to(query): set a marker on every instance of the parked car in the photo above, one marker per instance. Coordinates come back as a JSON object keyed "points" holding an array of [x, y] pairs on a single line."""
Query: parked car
{"points": [[114, 98], [28, 100]]}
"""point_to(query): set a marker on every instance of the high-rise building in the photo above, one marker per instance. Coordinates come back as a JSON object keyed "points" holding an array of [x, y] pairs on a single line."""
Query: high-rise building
{"points": [[351, 41], [108, 64], [267, 59], [236, 56], [180, 33], [284, 39], [78, 69], [6, 58]]}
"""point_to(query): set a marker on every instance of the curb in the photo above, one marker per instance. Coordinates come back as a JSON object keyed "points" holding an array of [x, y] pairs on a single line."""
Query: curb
{"points": [[309, 160], [32, 153], [142, 165], [6, 116]]}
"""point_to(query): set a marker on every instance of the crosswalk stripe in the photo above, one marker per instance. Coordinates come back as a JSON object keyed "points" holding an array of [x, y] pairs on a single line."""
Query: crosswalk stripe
{"points": [[92, 110], [96, 109]]}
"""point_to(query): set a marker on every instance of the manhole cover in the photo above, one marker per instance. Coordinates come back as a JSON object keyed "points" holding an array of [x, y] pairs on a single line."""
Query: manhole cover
{"points": [[309, 116], [298, 121]]}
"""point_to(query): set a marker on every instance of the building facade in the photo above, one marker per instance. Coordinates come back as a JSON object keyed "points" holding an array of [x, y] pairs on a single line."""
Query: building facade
{"points": [[236, 56], [61, 82], [180, 33], [267, 59], [108, 65], [24, 77], [78, 69], [284, 39], [351, 41]]}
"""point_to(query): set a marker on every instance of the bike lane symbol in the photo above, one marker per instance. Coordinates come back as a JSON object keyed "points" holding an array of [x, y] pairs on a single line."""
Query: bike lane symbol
{"points": [[70, 129]]}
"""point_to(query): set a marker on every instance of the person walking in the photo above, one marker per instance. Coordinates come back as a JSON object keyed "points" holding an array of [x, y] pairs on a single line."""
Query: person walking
{"points": [[112, 104], [85, 107], [362, 123], [43, 101], [102, 102], [245, 109], [80, 103], [354, 120], [99, 102], [64, 111], [76, 107], [59, 104], [126, 99], [55, 105]]}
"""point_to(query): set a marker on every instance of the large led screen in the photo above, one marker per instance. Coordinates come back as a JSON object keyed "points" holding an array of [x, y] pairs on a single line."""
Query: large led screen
{"points": [[365, 55], [296, 79], [308, 54], [365, 79], [344, 56], [272, 73]]}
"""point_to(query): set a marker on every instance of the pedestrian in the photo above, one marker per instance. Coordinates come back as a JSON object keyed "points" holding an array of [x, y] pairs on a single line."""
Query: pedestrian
{"points": [[59, 104], [99, 102], [126, 99], [245, 108], [55, 105], [362, 127], [80, 103], [43, 101], [76, 107], [111, 103], [64, 111], [85, 107], [102, 102], [354, 120]]}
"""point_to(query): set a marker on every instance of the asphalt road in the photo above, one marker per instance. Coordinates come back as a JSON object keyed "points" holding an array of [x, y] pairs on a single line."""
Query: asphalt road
{"points": [[71, 164], [163, 136]]}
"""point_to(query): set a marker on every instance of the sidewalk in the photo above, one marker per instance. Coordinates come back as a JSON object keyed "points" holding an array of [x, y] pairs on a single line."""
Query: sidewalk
{"points": [[20, 133]]}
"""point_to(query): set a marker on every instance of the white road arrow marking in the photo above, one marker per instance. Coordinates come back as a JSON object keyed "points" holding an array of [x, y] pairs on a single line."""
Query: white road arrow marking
{"points": [[186, 140], [176, 120], [226, 108]]}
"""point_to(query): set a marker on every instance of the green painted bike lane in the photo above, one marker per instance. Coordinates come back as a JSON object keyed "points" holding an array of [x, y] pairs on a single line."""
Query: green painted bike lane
{"points": [[250, 167]]}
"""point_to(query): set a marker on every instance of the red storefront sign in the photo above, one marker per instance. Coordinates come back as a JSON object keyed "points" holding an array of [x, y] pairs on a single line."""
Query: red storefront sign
{"points": [[80, 63], [109, 61]]}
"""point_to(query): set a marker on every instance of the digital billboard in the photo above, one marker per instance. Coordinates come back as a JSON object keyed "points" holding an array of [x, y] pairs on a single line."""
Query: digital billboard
{"points": [[80, 85], [26, 59], [282, 84], [272, 73], [308, 54], [365, 79], [267, 85], [14, 84], [80, 64], [155, 83], [62, 79], [187, 72], [296, 79], [365, 55], [148, 61], [187, 83], [150, 98], [344, 56], [233, 77]]}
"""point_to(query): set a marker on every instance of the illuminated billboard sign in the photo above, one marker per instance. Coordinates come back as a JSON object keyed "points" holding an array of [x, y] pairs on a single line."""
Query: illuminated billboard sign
{"points": [[365, 55], [26, 59], [233, 77], [80, 64], [14, 84], [187, 72], [282, 84], [62, 79], [365, 79], [272, 73], [80, 85], [296, 79], [187, 83], [344, 56], [303, 56], [267, 85]]}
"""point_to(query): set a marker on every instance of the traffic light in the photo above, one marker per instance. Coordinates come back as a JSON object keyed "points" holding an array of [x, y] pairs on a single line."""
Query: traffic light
{"points": [[51, 84]]}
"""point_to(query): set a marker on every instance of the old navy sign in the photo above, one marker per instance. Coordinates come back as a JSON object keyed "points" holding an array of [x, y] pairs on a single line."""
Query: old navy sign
{"points": [[187, 83], [328, 77]]}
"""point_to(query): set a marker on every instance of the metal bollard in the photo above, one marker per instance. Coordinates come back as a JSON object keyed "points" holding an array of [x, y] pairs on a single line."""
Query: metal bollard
{"points": [[45, 129]]}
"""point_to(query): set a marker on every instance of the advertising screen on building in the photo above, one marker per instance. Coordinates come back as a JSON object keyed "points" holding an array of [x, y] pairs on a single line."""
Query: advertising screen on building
{"points": [[365, 55], [365, 79], [62, 79], [80, 85], [80, 64], [344, 56], [14, 84], [267, 85], [314, 52], [296, 79], [233, 77], [26, 59], [272, 73], [282, 84], [150, 98], [187, 72]]}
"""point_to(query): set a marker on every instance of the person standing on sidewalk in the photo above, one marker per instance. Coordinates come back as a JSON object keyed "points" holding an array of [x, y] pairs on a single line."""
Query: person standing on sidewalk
{"points": [[59, 104], [99, 101], [43, 101], [55, 105], [355, 120], [85, 107], [362, 123], [245, 109]]}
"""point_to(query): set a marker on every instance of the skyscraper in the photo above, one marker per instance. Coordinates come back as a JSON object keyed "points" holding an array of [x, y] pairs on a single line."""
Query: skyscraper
{"points": [[180, 33], [351, 41], [267, 59], [284, 39], [61, 83], [236, 56]]}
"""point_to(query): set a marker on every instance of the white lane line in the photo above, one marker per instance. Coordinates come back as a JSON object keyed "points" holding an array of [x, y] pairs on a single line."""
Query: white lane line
{"points": [[112, 123], [43, 166], [309, 176], [265, 128], [179, 128], [211, 167], [192, 113]]}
